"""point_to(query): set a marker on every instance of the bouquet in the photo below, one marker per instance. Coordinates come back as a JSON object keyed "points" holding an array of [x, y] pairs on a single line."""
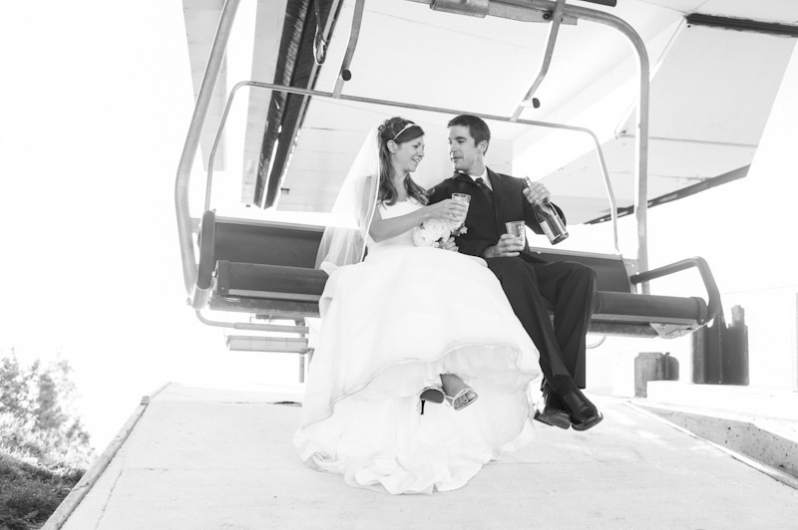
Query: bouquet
{"points": [[435, 232]]}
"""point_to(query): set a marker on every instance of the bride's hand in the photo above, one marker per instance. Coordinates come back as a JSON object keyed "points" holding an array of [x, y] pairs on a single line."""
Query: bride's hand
{"points": [[447, 209], [449, 244]]}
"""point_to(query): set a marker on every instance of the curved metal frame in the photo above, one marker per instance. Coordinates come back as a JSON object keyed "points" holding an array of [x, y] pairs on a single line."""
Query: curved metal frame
{"points": [[359, 99], [214, 64]]}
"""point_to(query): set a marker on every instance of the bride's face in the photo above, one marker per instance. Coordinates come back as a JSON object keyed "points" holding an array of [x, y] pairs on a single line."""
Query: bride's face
{"points": [[407, 155]]}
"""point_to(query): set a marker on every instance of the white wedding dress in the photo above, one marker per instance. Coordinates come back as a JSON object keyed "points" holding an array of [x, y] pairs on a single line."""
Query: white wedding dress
{"points": [[390, 326]]}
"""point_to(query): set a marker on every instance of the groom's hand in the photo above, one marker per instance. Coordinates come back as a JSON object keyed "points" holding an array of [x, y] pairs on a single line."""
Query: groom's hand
{"points": [[536, 192], [507, 247]]}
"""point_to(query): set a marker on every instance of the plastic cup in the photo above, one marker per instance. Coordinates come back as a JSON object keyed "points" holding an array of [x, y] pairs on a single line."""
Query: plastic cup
{"points": [[517, 229], [463, 198]]}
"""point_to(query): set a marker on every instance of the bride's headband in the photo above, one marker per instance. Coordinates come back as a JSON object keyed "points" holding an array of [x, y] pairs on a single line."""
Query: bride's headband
{"points": [[406, 127]]}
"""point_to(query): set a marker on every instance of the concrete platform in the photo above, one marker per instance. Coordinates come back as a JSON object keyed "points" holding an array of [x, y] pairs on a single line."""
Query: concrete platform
{"points": [[760, 423], [210, 459]]}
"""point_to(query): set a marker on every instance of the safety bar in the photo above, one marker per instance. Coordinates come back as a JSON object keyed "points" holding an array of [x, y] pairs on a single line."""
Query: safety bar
{"points": [[554, 29], [713, 304], [315, 93]]}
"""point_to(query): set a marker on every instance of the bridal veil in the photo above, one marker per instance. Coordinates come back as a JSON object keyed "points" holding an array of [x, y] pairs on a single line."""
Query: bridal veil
{"points": [[344, 239]]}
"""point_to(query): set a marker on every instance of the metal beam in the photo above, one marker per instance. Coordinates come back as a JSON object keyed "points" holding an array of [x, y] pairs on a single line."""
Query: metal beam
{"points": [[742, 24]]}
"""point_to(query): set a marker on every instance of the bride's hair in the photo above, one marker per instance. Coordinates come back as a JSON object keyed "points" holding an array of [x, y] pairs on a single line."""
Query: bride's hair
{"points": [[400, 131]]}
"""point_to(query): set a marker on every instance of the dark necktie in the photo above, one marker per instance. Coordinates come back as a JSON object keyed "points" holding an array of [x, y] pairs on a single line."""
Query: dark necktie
{"points": [[485, 190]]}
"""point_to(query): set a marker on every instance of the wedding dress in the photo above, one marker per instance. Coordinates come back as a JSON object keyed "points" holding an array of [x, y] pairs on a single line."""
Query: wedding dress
{"points": [[390, 326]]}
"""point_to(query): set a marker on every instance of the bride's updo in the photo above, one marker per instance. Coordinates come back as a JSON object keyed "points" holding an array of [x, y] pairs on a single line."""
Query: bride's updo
{"points": [[400, 131]]}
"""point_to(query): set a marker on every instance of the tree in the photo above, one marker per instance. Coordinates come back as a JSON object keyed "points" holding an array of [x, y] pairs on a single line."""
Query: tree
{"points": [[37, 417]]}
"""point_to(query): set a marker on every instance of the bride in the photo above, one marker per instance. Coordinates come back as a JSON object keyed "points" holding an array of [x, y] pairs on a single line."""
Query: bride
{"points": [[421, 371]]}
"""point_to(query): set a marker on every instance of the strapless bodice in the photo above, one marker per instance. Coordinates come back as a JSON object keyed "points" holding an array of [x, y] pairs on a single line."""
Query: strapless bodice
{"points": [[404, 239]]}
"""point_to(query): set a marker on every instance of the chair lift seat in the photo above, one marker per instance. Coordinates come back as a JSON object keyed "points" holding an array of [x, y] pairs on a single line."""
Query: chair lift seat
{"points": [[266, 267]]}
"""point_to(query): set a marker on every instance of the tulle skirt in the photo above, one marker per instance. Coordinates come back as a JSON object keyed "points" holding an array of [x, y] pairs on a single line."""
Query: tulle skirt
{"points": [[390, 327]]}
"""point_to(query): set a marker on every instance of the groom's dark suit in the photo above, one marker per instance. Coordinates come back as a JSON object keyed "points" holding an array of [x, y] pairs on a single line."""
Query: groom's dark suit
{"points": [[528, 281]]}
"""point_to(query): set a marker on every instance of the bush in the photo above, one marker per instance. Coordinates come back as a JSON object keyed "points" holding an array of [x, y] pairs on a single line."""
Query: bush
{"points": [[44, 448]]}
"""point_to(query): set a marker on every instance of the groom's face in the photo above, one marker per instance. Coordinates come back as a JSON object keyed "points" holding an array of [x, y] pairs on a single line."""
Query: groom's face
{"points": [[465, 155]]}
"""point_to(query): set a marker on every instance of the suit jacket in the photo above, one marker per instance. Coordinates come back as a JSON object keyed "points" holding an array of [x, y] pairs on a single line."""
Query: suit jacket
{"points": [[485, 224]]}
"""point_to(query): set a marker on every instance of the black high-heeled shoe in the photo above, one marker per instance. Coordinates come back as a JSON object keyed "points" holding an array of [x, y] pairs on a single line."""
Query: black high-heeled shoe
{"points": [[431, 393]]}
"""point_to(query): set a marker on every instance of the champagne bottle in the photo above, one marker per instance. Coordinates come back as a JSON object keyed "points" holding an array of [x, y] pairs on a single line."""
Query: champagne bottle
{"points": [[548, 218]]}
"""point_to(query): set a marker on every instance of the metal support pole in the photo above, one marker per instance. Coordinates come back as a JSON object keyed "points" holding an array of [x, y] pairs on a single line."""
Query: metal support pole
{"points": [[554, 29], [345, 74], [201, 107]]}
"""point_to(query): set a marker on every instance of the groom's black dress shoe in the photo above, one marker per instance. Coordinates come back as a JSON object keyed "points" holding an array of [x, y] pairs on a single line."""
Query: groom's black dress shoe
{"points": [[584, 414], [551, 411]]}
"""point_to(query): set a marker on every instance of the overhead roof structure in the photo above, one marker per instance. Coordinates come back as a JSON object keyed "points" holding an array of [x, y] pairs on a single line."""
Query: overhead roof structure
{"points": [[711, 92]]}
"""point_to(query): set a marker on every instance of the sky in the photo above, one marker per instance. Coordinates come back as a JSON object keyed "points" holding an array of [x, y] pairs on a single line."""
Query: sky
{"points": [[95, 104]]}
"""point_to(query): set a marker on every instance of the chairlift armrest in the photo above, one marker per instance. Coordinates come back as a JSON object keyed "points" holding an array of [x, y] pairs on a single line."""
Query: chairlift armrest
{"points": [[207, 263], [713, 304]]}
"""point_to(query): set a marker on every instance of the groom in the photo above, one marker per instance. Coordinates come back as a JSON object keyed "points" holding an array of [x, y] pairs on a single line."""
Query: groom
{"points": [[528, 281]]}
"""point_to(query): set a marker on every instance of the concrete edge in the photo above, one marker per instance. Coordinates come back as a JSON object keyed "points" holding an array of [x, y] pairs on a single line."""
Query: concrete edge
{"points": [[770, 471], [770, 441], [79, 491]]}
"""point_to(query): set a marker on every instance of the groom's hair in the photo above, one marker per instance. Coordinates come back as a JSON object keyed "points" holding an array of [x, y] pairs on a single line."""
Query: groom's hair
{"points": [[476, 126]]}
